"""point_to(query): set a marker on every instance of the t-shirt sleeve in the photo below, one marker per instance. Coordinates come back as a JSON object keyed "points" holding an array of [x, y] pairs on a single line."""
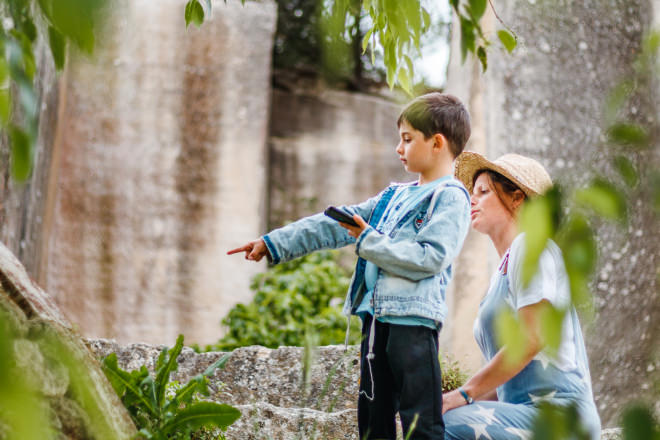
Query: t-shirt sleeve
{"points": [[549, 283]]}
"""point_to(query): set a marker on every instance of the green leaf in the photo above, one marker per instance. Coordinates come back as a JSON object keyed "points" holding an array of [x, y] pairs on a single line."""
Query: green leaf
{"points": [[628, 134], [578, 245], [507, 39], [616, 99], [426, 18], [604, 199], [627, 170], [4, 73], [163, 373], [481, 54], [404, 80], [365, 40], [21, 153], [194, 13], [509, 333], [202, 414], [220, 363], [75, 19], [536, 222], [57, 47], [5, 106], [478, 7], [639, 424], [551, 328], [467, 37], [123, 381]]}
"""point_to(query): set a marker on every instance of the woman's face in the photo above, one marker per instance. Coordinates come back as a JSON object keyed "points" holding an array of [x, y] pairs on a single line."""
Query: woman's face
{"points": [[488, 213]]}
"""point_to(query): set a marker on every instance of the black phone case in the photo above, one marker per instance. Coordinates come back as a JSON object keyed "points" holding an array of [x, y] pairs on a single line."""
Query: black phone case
{"points": [[339, 215]]}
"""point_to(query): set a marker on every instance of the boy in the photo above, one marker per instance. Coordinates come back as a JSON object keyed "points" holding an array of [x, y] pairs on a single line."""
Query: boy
{"points": [[413, 233]]}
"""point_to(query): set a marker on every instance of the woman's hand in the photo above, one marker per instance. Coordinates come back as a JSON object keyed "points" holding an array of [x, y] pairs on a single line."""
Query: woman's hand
{"points": [[355, 231], [452, 399]]}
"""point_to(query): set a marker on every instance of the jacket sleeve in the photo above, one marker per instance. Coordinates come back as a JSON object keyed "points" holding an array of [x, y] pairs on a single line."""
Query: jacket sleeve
{"points": [[313, 233], [435, 246]]}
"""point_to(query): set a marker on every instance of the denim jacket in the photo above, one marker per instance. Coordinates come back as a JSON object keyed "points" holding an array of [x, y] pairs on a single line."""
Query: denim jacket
{"points": [[413, 253]]}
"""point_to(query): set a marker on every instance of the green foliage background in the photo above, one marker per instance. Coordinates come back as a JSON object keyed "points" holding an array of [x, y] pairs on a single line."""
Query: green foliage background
{"points": [[292, 299]]}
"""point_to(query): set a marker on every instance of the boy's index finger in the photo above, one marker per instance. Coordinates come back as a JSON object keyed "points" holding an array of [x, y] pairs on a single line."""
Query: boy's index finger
{"points": [[245, 248]]}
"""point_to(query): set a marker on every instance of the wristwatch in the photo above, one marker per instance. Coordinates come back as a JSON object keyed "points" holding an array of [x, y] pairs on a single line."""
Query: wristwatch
{"points": [[466, 396]]}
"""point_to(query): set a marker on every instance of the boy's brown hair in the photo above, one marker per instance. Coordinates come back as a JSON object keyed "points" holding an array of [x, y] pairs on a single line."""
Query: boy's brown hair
{"points": [[439, 113]]}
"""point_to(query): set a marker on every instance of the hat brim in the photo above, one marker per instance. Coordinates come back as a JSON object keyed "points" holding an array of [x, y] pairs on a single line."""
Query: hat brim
{"points": [[469, 163]]}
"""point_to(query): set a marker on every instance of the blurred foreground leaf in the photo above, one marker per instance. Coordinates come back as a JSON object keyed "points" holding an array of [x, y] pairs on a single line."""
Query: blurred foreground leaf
{"points": [[604, 199], [639, 424], [510, 333], [537, 220], [628, 134]]}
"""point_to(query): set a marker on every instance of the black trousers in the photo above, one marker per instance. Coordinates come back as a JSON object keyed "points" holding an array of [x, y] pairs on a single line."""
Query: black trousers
{"points": [[406, 379]]}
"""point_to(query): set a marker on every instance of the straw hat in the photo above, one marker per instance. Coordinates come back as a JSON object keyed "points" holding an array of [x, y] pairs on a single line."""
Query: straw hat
{"points": [[527, 173]]}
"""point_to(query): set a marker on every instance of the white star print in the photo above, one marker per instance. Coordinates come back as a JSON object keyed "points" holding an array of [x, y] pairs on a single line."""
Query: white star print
{"points": [[523, 434], [536, 399], [544, 359], [487, 414], [480, 430]]}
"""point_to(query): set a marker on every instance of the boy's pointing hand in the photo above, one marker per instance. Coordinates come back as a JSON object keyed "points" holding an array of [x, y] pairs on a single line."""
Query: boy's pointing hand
{"points": [[355, 231], [254, 250]]}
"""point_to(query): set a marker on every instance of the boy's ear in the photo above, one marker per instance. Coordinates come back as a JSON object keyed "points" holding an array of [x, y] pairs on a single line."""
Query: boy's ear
{"points": [[440, 141]]}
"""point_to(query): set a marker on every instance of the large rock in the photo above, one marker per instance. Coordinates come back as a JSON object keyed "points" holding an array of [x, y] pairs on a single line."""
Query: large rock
{"points": [[49, 357], [546, 100], [159, 168], [267, 387]]}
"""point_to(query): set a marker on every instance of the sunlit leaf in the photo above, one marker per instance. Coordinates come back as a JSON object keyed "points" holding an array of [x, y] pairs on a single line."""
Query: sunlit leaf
{"points": [[510, 333], [404, 80], [604, 199], [628, 134], [365, 40], [21, 153], [481, 54], [477, 7], [627, 170], [551, 326], [194, 13], [536, 221], [57, 47], [507, 39]]}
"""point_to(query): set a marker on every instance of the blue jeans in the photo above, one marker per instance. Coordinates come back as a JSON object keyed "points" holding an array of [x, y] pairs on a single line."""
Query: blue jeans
{"points": [[406, 379]]}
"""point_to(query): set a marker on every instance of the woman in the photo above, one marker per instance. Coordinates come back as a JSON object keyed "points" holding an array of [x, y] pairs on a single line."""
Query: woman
{"points": [[498, 190]]}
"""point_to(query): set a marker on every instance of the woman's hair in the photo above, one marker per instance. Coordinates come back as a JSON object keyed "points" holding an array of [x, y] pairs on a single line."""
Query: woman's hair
{"points": [[501, 185]]}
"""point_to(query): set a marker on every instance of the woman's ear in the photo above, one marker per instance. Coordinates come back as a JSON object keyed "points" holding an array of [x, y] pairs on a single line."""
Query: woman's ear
{"points": [[517, 199]]}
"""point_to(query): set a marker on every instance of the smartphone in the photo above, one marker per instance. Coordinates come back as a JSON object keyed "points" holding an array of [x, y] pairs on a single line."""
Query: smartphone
{"points": [[339, 215]]}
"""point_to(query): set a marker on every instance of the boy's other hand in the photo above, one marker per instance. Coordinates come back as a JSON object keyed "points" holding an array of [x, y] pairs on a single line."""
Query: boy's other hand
{"points": [[355, 231], [254, 250]]}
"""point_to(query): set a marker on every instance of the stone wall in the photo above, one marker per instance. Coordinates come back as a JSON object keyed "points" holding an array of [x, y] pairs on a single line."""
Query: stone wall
{"points": [[159, 168], [546, 100], [329, 148]]}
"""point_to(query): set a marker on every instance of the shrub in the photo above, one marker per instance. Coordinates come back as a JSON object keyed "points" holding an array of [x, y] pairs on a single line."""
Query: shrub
{"points": [[291, 299]]}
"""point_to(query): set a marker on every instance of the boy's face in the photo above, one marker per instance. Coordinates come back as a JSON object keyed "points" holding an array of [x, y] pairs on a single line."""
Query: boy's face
{"points": [[415, 152]]}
